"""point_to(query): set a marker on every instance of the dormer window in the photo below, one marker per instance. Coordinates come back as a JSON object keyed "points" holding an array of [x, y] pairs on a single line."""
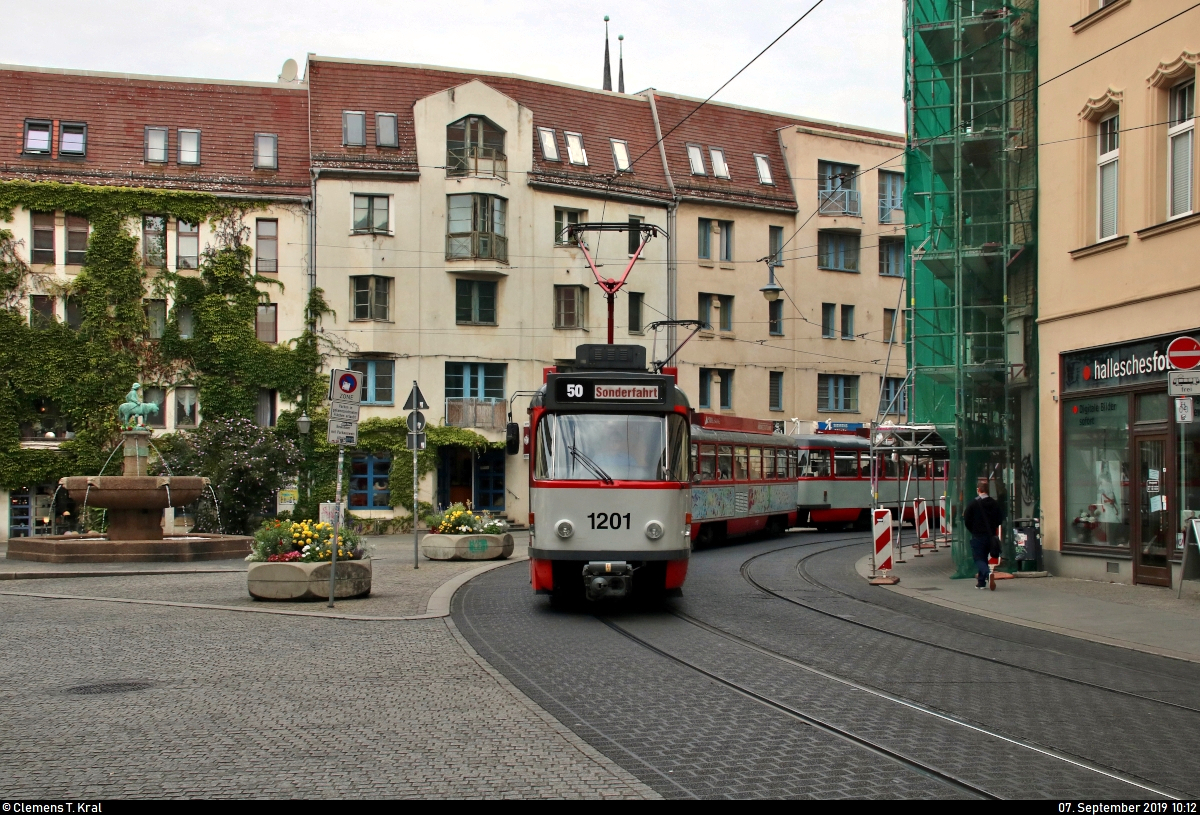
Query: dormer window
{"points": [[385, 130], [354, 128], [266, 151], [37, 137], [720, 168], [189, 146], [764, 169], [475, 146], [549, 144], [696, 159], [575, 152], [621, 155], [156, 145], [72, 139]]}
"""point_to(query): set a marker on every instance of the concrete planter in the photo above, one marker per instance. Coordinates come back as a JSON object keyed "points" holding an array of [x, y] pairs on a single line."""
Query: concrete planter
{"points": [[308, 581], [467, 547]]}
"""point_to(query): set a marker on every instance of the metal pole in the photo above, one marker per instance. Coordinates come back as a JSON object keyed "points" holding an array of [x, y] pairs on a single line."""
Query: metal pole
{"points": [[337, 524], [611, 298], [416, 436]]}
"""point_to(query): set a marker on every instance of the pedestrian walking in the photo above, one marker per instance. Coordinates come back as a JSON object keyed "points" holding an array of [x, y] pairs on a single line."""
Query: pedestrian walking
{"points": [[982, 516]]}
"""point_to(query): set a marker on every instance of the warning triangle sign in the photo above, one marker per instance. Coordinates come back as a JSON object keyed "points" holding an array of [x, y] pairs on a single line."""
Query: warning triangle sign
{"points": [[416, 399]]}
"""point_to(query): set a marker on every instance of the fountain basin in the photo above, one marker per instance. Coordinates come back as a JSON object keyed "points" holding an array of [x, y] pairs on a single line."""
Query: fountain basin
{"points": [[99, 549], [134, 491]]}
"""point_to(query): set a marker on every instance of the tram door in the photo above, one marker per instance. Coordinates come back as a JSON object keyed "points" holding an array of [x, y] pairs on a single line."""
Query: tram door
{"points": [[1152, 524]]}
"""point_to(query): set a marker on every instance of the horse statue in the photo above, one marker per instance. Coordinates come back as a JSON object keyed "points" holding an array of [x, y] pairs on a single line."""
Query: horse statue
{"points": [[133, 410]]}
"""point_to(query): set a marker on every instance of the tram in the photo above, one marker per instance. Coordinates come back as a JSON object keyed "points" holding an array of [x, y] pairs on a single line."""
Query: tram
{"points": [[609, 489]]}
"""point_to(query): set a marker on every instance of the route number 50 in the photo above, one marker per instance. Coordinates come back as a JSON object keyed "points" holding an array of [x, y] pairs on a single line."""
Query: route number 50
{"points": [[574, 391]]}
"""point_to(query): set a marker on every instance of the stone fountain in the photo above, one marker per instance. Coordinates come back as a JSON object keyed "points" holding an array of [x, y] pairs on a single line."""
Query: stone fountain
{"points": [[134, 502]]}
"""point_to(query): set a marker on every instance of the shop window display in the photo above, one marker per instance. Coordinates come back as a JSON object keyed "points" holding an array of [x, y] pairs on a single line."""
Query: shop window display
{"points": [[1096, 471]]}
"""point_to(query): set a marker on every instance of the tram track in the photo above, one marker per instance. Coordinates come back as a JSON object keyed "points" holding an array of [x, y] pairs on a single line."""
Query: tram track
{"points": [[804, 575]]}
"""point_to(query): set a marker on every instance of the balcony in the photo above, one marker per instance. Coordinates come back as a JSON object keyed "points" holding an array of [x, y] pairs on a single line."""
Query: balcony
{"points": [[891, 210], [839, 202], [472, 411], [476, 160], [481, 245]]}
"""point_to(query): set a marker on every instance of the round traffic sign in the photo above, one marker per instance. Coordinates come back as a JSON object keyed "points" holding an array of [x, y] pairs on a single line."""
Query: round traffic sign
{"points": [[348, 383], [416, 421], [1184, 353]]}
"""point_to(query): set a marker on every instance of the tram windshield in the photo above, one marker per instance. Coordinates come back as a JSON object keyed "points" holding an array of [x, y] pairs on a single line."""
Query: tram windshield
{"points": [[611, 447]]}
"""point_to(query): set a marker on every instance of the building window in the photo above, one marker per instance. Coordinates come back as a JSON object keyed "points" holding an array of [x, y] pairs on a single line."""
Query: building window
{"points": [[890, 334], [725, 390], [370, 215], [189, 146], [154, 242], [726, 229], [775, 245], [763, 165], [1180, 140], [157, 396], [837, 251], [72, 139], [385, 130], [838, 188], [847, 322], [186, 407], [704, 239], [37, 137], [77, 240], [187, 245], [475, 302], [549, 143], [475, 146], [1108, 154], [570, 307], [156, 317], [183, 321], [266, 151], [476, 227], [575, 152], [775, 318], [891, 257], [43, 238], [264, 414], [775, 391], [354, 128], [475, 380], [370, 297], [265, 323], [720, 168], [837, 392], [562, 219], [636, 300], [266, 245], [828, 320], [156, 145], [620, 151], [634, 235], [378, 380], [724, 304], [370, 482], [696, 159], [74, 313], [1097, 471], [891, 197], [41, 310], [893, 398]]}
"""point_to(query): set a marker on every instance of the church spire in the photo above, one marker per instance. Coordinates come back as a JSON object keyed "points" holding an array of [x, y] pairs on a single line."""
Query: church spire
{"points": [[620, 63], [607, 63]]}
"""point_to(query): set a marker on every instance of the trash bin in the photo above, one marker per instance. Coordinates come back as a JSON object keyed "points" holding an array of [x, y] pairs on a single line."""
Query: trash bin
{"points": [[1028, 535]]}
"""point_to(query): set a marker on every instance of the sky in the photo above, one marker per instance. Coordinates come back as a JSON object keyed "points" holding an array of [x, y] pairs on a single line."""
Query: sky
{"points": [[843, 63]]}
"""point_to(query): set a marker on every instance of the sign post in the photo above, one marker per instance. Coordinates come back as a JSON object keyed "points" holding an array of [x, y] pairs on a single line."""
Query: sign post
{"points": [[345, 396], [416, 442]]}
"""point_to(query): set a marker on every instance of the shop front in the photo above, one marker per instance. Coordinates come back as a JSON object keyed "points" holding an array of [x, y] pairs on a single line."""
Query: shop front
{"points": [[1130, 471]]}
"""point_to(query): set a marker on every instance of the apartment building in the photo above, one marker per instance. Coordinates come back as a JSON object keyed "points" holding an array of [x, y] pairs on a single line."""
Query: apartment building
{"points": [[1117, 283]]}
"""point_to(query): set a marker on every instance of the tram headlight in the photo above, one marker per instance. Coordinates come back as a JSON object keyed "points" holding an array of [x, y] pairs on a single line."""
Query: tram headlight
{"points": [[564, 528], [654, 530]]}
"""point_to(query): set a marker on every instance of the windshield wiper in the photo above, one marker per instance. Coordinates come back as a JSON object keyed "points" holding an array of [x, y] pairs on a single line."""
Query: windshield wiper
{"points": [[591, 465]]}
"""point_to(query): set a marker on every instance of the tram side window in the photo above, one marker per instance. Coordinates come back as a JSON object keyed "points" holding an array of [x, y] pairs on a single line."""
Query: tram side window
{"points": [[708, 463], [791, 459], [814, 464], [695, 468], [891, 469], [725, 461], [864, 461], [769, 463], [740, 464], [845, 464], [756, 470]]}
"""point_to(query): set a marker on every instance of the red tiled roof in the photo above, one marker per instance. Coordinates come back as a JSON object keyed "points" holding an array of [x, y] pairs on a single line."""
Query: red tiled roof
{"points": [[117, 109]]}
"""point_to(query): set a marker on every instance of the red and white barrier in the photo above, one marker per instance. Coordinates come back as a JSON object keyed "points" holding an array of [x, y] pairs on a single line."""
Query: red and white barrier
{"points": [[883, 548], [921, 522], [943, 517]]}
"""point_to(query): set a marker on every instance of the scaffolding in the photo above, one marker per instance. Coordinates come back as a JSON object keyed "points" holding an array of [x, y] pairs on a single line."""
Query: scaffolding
{"points": [[970, 195]]}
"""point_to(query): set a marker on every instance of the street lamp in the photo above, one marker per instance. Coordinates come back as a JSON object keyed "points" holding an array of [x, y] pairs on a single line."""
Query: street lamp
{"points": [[304, 424], [772, 290]]}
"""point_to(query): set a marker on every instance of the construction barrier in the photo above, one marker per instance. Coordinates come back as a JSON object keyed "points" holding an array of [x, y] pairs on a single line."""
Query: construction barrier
{"points": [[945, 533], [883, 548], [921, 522]]}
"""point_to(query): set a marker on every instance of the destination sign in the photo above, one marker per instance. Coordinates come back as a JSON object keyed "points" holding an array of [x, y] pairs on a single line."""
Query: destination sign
{"points": [[627, 392], [587, 390]]}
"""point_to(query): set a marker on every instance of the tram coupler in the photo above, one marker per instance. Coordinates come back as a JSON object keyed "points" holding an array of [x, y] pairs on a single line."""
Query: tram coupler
{"points": [[607, 579]]}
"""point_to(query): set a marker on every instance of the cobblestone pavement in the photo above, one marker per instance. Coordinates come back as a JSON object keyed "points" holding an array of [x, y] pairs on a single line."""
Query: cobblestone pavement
{"points": [[225, 704], [685, 735]]}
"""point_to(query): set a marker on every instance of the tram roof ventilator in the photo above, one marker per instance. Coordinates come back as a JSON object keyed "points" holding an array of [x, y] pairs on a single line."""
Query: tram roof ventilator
{"points": [[594, 357]]}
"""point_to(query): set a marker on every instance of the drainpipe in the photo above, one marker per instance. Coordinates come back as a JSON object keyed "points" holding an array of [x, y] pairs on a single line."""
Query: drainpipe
{"points": [[312, 242], [672, 232]]}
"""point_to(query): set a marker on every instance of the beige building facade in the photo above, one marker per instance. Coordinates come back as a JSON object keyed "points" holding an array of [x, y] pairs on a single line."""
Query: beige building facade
{"points": [[1118, 282]]}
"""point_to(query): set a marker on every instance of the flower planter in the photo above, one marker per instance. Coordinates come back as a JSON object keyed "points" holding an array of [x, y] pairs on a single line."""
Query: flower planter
{"points": [[308, 581], [467, 547]]}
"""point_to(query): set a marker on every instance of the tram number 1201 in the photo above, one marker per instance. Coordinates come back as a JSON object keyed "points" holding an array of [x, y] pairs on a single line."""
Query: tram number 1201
{"points": [[607, 520]]}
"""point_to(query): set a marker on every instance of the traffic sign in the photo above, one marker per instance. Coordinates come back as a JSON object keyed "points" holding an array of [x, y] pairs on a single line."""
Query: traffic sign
{"points": [[343, 411], [1184, 410], [345, 386], [416, 399], [1183, 383], [416, 441], [1184, 353], [416, 421], [342, 433]]}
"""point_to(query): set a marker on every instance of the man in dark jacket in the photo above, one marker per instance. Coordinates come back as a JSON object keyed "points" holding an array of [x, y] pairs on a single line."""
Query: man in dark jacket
{"points": [[981, 518]]}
